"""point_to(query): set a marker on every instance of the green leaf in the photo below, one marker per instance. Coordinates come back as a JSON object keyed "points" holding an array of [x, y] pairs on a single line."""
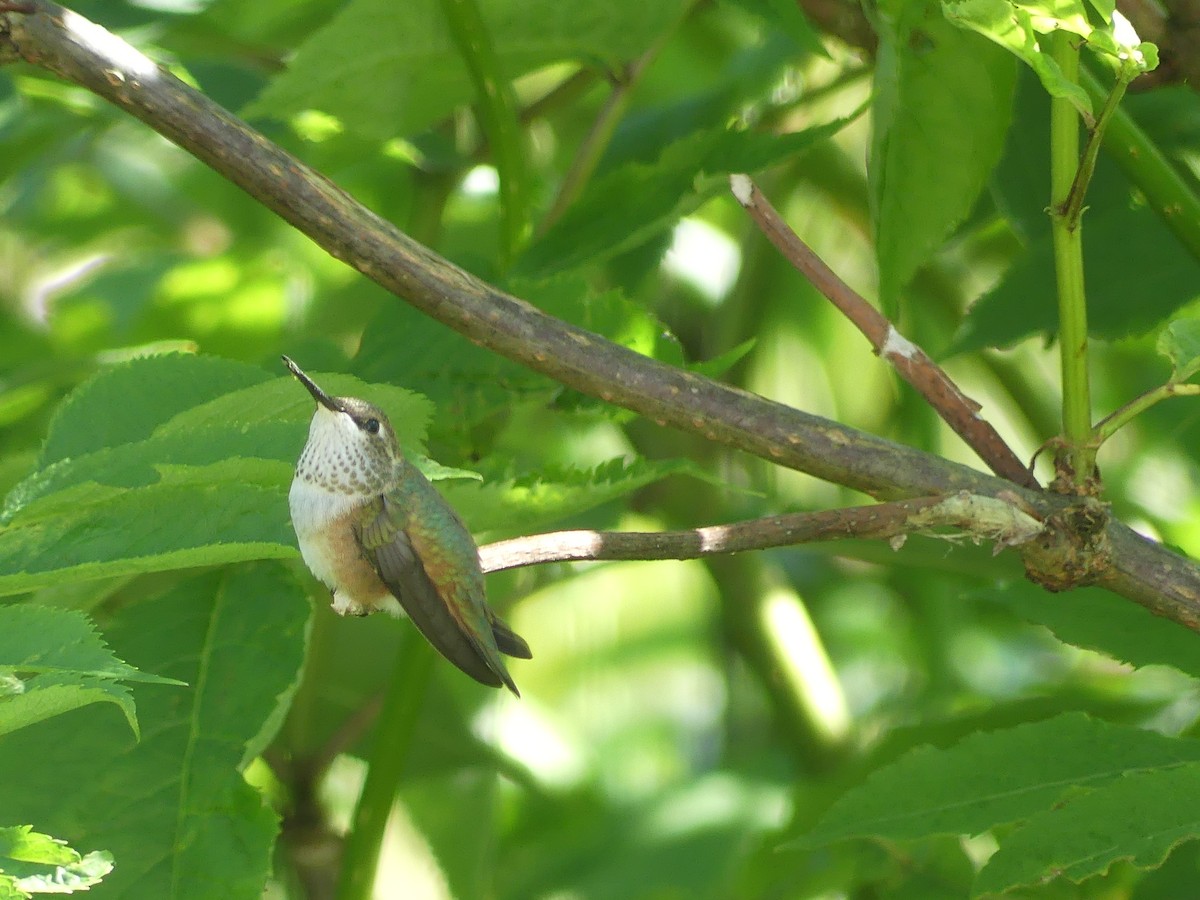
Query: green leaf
{"points": [[193, 456], [1180, 343], [936, 87], [994, 778], [787, 17], [53, 661], [1129, 253], [1139, 817], [44, 697], [723, 362], [497, 115], [126, 402], [23, 843], [479, 385], [204, 484], [631, 204], [609, 313], [1099, 620], [174, 809], [1015, 28], [1148, 54], [743, 90], [409, 49], [1057, 15], [227, 519], [435, 471], [538, 500], [33, 863]]}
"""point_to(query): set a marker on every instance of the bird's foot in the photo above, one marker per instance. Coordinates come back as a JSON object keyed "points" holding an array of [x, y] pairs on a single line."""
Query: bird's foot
{"points": [[344, 606]]}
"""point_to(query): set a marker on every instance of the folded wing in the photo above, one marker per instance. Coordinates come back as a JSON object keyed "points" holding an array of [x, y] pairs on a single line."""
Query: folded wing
{"points": [[458, 625]]}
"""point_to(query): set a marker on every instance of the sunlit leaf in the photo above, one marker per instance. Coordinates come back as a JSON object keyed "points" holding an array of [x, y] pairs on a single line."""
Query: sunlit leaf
{"points": [[174, 809], [33, 863], [1099, 620], [536, 500], [409, 49], [1017, 29], [1180, 343], [1139, 817], [929, 73], [53, 661], [994, 778], [184, 472], [631, 204]]}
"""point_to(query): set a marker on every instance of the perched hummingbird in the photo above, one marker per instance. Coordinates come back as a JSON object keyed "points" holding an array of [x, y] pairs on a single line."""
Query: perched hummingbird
{"points": [[380, 536]]}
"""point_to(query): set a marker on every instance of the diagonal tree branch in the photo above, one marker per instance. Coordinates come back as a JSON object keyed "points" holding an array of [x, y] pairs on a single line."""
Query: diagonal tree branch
{"points": [[63, 42], [957, 410]]}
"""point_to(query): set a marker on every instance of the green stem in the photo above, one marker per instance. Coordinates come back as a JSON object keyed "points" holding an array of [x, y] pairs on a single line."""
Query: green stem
{"points": [[1114, 422], [389, 750], [1087, 165], [1068, 263], [1164, 187], [499, 117], [562, 96], [596, 141]]}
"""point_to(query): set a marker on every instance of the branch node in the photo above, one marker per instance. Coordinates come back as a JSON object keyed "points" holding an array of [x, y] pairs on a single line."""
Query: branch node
{"points": [[896, 344], [743, 189], [1073, 550]]}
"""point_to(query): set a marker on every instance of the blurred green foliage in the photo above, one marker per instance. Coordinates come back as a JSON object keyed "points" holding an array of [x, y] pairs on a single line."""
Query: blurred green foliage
{"points": [[843, 721]]}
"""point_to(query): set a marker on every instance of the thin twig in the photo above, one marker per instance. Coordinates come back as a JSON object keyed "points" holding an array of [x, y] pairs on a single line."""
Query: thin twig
{"points": [[351, 731], [958, 410], [599, 135], [1073, 210], [563, 94], [1118, 419], [981, 518]]}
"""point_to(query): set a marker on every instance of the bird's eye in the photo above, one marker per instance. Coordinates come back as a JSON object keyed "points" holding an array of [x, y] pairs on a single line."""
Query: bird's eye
{"points": [[372, 426]]}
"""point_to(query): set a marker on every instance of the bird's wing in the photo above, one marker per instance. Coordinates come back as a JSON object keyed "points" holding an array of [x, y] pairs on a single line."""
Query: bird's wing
{"points": [[420, 577]]}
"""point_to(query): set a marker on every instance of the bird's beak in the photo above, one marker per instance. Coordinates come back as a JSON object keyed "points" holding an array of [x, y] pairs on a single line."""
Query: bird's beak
{"points": [[321, 397]]}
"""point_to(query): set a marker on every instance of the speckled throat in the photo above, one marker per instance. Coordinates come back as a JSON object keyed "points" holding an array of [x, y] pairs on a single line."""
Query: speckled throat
{"points": [[341, 466]]}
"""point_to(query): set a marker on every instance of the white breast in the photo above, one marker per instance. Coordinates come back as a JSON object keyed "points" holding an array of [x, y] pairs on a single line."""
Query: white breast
{"points": [[314, 507]]}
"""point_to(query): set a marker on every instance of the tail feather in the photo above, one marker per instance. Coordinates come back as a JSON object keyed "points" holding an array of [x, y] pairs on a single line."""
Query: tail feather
{"points": [[509, 642]]}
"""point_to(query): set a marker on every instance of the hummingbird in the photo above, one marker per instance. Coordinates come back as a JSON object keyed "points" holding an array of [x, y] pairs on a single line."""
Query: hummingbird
{"points": [[380, 536]]}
